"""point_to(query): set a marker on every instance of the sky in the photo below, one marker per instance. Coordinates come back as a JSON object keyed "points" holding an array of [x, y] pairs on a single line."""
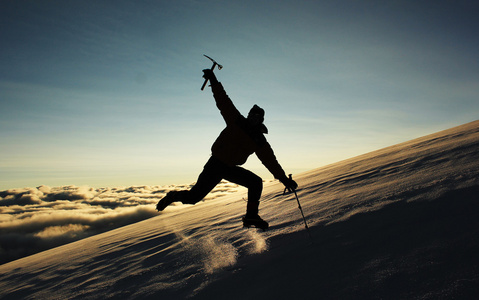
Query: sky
{"points": [[107, 93]]}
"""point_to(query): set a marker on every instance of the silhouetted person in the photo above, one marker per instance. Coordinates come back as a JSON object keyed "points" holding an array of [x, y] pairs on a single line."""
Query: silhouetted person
{"points": [[241, 138]]}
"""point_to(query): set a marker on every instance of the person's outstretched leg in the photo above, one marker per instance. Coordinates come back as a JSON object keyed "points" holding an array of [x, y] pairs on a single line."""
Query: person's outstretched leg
{"points": [[207, 180]]}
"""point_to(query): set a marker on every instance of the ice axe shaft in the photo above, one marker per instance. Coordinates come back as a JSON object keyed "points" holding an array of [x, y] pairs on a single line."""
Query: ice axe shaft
{"points": [[206, 80], [212, 68]]}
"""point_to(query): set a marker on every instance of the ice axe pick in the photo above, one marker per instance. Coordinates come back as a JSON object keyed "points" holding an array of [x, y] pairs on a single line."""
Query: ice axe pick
{"points": [[212, 68]]}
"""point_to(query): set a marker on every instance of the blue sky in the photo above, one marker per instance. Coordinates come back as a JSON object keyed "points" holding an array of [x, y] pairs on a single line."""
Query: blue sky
{"points": [[107, 93]]}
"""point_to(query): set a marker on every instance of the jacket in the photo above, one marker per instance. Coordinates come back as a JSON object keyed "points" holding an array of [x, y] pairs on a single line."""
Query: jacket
{"points": [[239, 139]]}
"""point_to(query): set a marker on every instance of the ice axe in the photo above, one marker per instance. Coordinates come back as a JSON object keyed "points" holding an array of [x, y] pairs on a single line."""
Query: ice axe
{"points": [[212, 68]]}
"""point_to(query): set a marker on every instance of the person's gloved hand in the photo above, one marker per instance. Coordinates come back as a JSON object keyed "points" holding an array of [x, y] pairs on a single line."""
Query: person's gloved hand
{"points": [[289, 183], [209, 75]]}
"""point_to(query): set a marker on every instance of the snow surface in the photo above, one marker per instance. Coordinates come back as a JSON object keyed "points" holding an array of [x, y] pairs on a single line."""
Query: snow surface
{"points": [[398, 223], [37, 219]]}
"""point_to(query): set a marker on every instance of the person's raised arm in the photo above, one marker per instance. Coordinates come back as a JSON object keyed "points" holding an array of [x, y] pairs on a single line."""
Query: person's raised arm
{"points": [[223, 102]]}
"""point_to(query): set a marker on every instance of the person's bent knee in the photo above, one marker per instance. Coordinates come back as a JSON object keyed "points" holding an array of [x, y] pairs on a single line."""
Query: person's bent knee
{"points": [[255, 188], [258, 183]]}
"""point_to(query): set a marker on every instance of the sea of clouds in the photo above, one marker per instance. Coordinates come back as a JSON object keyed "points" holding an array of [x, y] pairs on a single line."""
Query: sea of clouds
{"points": [[37, 219]]}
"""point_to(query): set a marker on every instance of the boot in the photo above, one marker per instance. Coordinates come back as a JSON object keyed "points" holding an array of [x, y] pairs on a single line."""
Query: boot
{"points": [[255, 221], [167, 200]]}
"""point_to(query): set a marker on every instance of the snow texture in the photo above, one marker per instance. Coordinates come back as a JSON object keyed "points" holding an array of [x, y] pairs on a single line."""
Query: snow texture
{"points": [[37, 219], [397, 223]]}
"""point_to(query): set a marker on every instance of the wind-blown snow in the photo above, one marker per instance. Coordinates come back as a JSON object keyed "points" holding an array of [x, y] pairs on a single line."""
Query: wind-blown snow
{"points": [[36, 219], [398, 223]]}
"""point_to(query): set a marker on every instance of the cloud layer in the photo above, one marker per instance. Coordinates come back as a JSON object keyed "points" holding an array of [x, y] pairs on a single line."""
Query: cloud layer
{"points": [[36, 219]]}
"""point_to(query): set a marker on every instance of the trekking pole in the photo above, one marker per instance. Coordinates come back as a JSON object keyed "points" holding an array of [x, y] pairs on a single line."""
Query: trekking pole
{"points": [[301, 209]]}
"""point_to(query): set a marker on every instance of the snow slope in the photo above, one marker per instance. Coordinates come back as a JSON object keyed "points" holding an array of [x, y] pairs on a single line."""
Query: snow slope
{"points": [[398, 223]]}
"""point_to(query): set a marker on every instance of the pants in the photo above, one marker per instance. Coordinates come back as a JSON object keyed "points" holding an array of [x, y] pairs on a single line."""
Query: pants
{"points": [[213, 172]]}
